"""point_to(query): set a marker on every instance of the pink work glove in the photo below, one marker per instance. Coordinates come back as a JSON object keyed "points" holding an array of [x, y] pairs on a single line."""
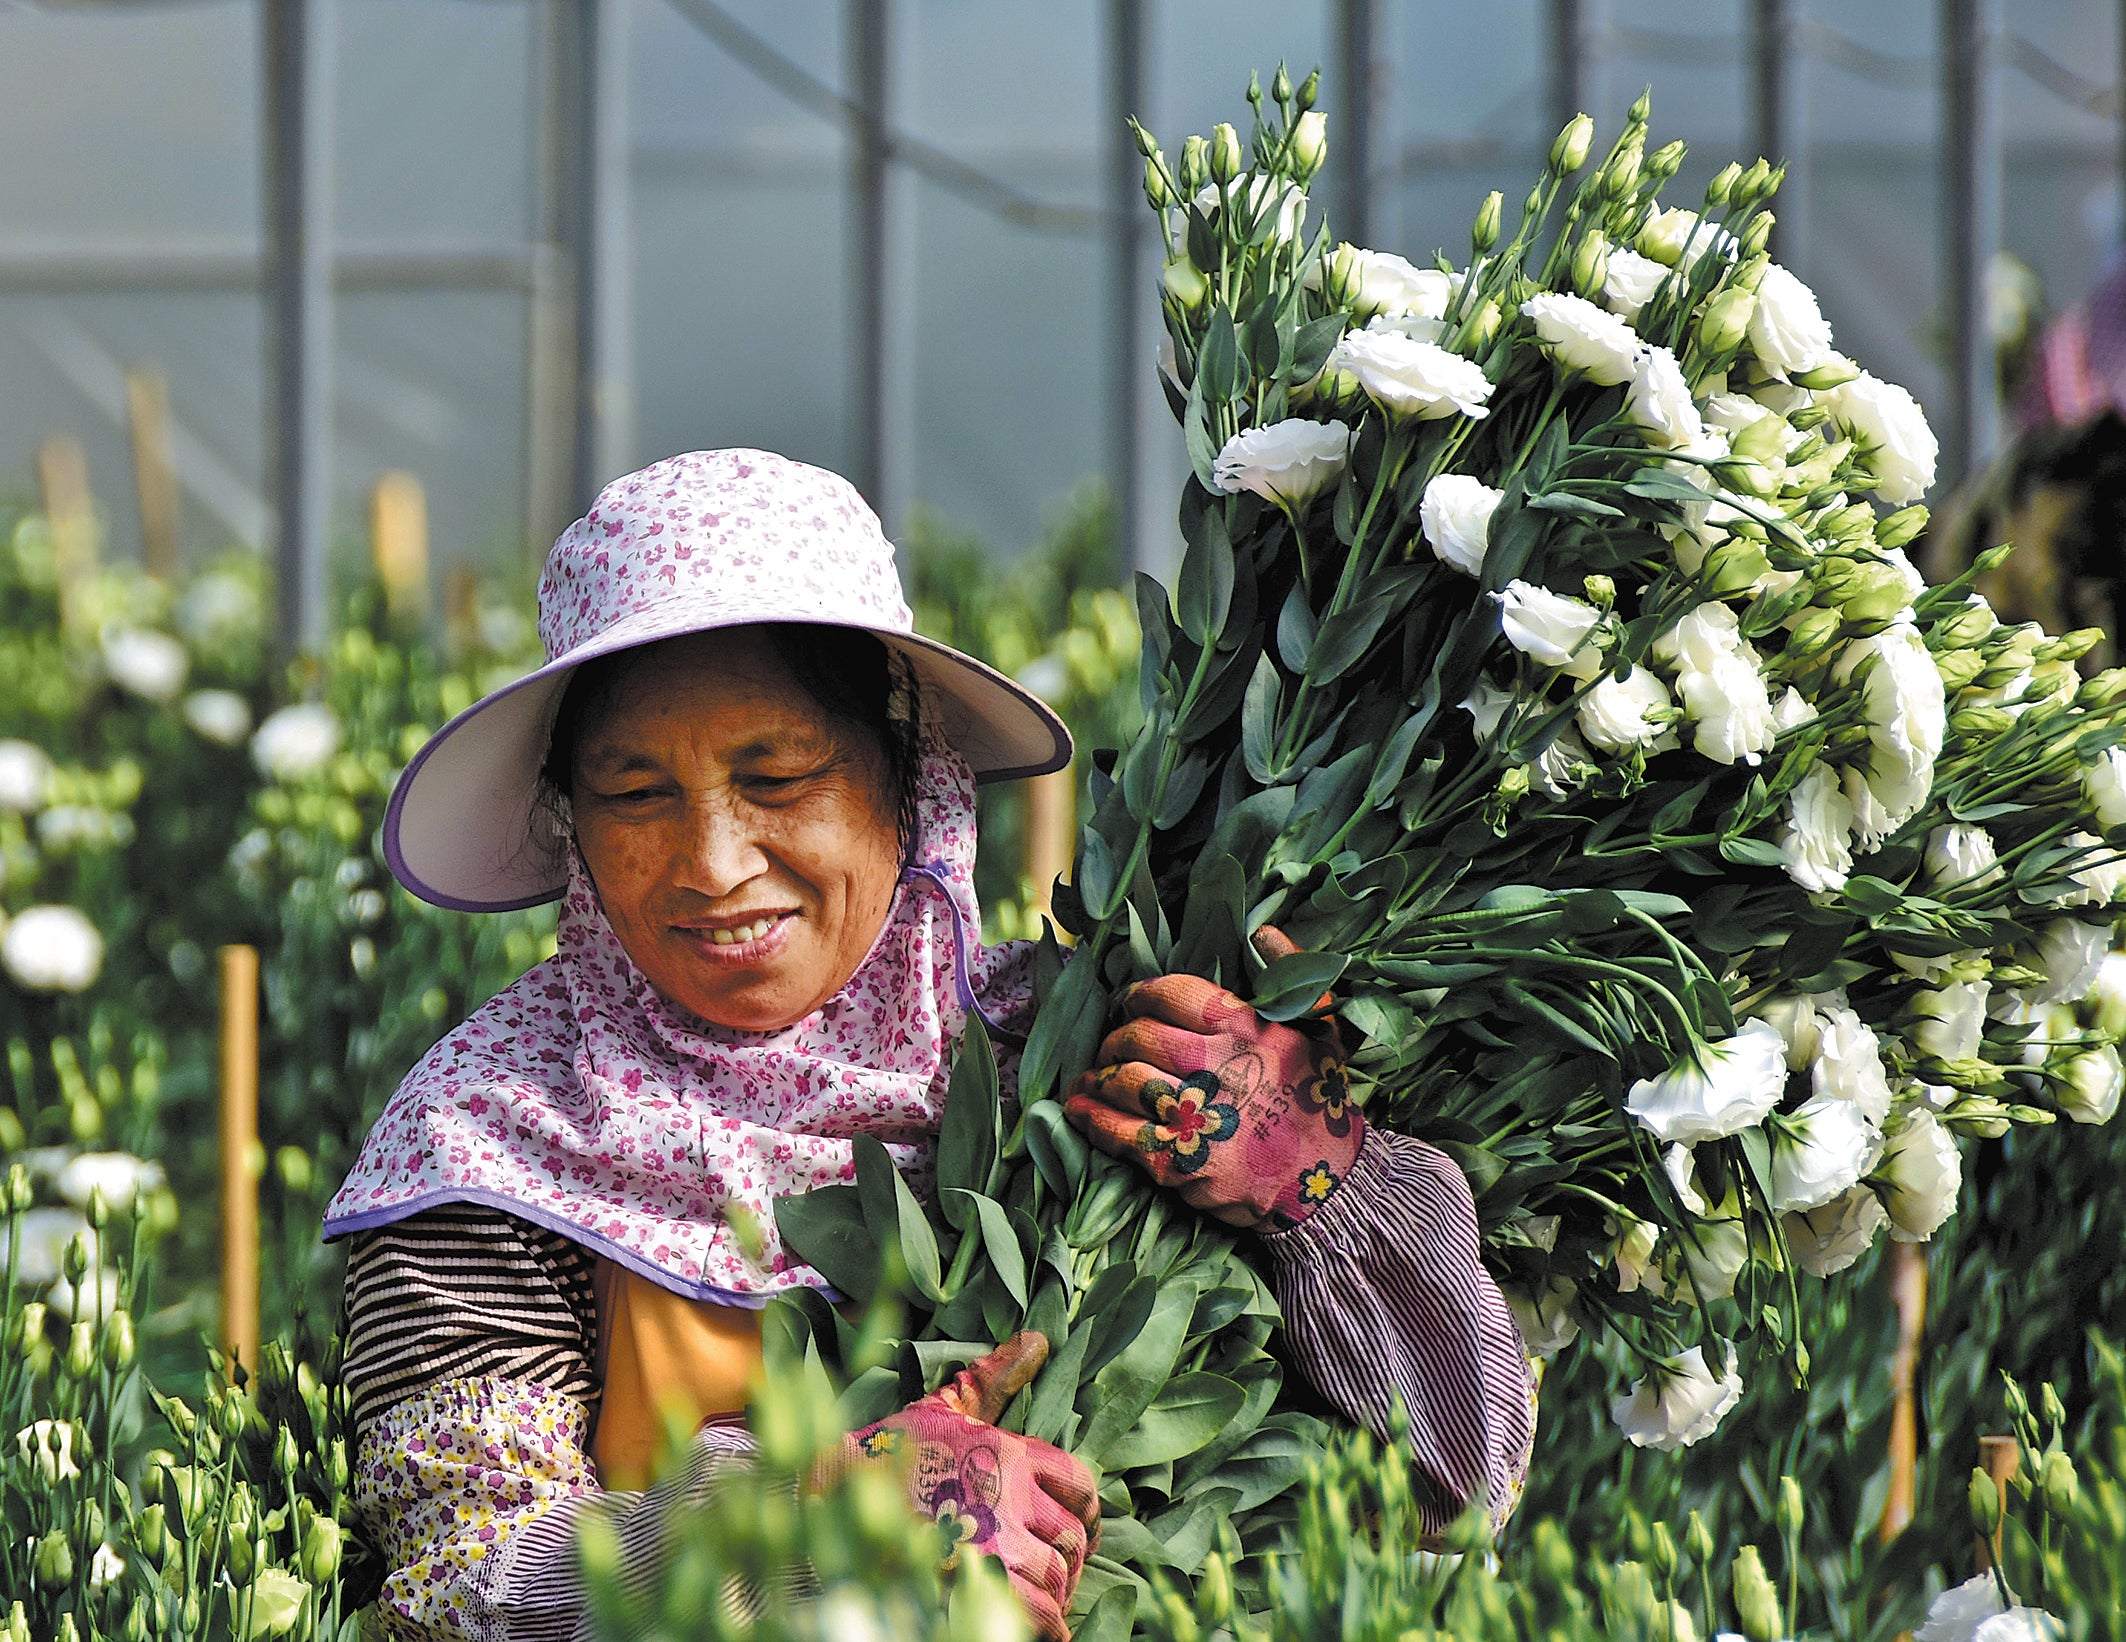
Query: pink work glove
{"points": [[1023, 1501], [1249, 1120]]}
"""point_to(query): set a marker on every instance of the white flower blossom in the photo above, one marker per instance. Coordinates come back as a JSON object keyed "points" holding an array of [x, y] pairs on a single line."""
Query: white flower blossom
{"points": [[1255, 195], [1548, 627], [1724, 1088], [221, 716], [2104, 785], [1923, 1173], [2107, 995], [2070, 952], [1827, 1239], [1787, 330], [1907, 713], [120, 1176], [47, 1448], [1888, 424], [1487, 704], [216, 608], [2101, 877], [1972, 1612], [1678, 1403], [1632, 1254], [1794, 1016], [1287, 461], [1951, 1019], [296, 742], [1960, 854], [1677, 1162], [1544, 1317], [1792, 710], [1700, 638], [51, 949], [1730, 708], [106, 1567], [1847, 1064], [1455, 514], [1581, 337], [1412, 378], [1815, 840], [1659, 401], [1630, 282], [1820, 1152], [2095, 1079], [1380, 282], [1871, 822], [1731, 413], [151, 665], [45, 1235], [1635, 712], [25, 777], [1714, 1251]]}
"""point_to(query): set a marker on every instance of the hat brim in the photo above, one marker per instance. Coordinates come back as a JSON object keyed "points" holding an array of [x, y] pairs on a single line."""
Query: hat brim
{"points": [[465, 828]]}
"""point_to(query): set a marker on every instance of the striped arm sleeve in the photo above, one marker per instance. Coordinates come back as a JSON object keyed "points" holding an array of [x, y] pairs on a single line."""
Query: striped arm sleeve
{"points": [[1385, 1294], [465, 1292]]}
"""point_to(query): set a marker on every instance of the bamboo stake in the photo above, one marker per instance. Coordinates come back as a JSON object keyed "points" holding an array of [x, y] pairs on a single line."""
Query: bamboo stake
{"points": [[1908, 1289], [398, 536], [240, 1152], [147, 399], [1051, 824], [1999, 1458], [69, 509]]}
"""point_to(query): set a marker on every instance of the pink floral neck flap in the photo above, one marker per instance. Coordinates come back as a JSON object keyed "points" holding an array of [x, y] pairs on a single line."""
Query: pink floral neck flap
{"points": [[580, 1100]]}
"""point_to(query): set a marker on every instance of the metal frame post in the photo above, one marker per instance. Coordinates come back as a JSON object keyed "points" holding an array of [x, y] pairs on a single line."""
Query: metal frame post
{"points": [[550, 366], [1577, 41], [598, 229], [1776, 118], [298, 37], [1971, 195], [1132, 303], [1365, 159], [880, 423]]}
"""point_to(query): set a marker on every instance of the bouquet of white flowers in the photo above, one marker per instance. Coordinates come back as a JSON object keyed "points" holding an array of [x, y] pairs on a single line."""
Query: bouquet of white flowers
{"points": [[1546, 661]]}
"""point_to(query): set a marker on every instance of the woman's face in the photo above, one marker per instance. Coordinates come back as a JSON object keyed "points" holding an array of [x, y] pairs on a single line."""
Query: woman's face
{"points": [[741, 841]]}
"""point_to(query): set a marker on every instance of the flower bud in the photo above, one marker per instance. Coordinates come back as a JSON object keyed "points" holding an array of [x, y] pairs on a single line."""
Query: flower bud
{"points": [[1590, 263], [1513, 785], [1310, 89], [1725, 321], [1984, 1498], [1758, 234], [75, 1261], [1834, 372], [1214, 1591], [1484, 324], [1787, 1515], [1185, 283], [1850, 524], [97, 1212], [1901, 528], [1485, 233], [1227, 157], [2049, 1405], [1621, 175], [1751, 184], [119, 1342], [1281, 86], [1661, 1553], [1601, 591], [2062, 1487], [54, 1562], [1195, 165], [1698, 1540], [20, 1194], [1310, 144], [1764, 440], [1812, 631], [336, 1465], [1958, 668], [321, 1551], [1665, 161], [2102, 691], [1756, 1602], [18, 1624], [80, 1359], [286, 1456], [151, 1531], [1156, 192], [1569, 152], [2069, 646], [1722, 186], [1554, 1562]]}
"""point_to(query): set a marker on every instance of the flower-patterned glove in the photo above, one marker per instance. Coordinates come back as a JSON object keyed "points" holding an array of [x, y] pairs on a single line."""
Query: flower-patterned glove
{"points": [[1249, 1120], [1023, 1501]]}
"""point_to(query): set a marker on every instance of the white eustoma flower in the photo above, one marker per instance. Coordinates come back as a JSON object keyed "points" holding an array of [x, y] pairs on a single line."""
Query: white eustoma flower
{"points": [[1659, 401], [1847, 1064], [1700, 638], [2101, 878], [1679, 1402], [1871, 822], [216, 608], [1630, 281], [1787, 330], [1714, 1252], [1544, 1317], [1794, 1016], [1886, 421], [106, 1567], [2070, 952], [296, 742], [1632, 1254], [1255, 195], [1412, 378], [1635, 712], [1380, 282], [1792, 710], [1827, 1239], [2104, 785], [1581, 337], [1972, 1612], [45, 1235], [1820, 1152], [1680, 235], [1731, 413], [2107, 995], [25, 776], [120, 1176], [152, 665], [1455, 514], [1816, 839], [1907, 713], [1951, 1019], [1962, 854], [1730, 708], [1922, 1173], [1724, 1088], [220, 715], [92, 1300], [2095, 1079], [51, 949], [1288, 461], [1548, 627], [1677, 1161], [47, 1448], [1487, 704]]}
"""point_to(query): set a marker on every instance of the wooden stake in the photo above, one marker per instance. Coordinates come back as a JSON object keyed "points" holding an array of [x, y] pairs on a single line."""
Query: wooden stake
{"points": [[461, 608], [63, 476], [1051, 828], [1908, 1289], [147, 399], [240, 1153], [1999, 1458], [398, 536]]}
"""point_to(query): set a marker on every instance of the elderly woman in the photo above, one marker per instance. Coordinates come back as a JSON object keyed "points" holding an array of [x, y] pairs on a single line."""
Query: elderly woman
{"points": [[752, 789]]}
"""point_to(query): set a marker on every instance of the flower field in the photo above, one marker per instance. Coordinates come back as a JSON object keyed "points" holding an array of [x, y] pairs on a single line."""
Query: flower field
{"points": [[1735, 907]]}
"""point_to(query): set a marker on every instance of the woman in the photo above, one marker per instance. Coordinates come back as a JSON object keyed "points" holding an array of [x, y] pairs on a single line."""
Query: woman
{"points": [[763, 838]]}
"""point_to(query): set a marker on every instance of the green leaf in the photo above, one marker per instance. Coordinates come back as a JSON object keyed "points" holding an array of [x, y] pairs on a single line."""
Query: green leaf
{"points": [[890, 1210], [1058, 1150], [1345, 637], [1118, 1319], [1292, 985], [971, 1130], [825, 1229], [1295, 629], [1188, 1412], [1311, 346], [1097, 874], [1258, 721], [1183, 787], [1203, 591], [1065, 1033], [1110, 1618], [1578, 507], [1122, 1390], [1049, 1401], [1218, 363], [999, 1241]]}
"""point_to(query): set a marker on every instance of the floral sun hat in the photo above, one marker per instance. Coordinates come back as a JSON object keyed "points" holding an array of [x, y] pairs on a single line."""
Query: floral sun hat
{"points": [[711, 539]]}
